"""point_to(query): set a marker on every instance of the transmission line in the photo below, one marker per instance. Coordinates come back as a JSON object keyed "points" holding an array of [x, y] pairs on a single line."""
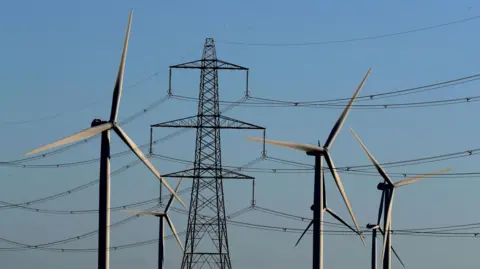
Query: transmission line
{"points": [[45, 247], [265, 101], [306, 168], [267, 104], [121, 222], [339, 102], [386, 94], [58, 114], [17, 163], [116, 208], [76, 144], [91, 183], [354, 169], [353, 39], [425, 232]]}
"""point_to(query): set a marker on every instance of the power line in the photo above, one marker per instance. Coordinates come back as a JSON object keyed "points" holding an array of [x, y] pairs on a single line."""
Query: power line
{"points": [[421, 160], [71, 110], [18, 163], [116, 208], [272, 103], [267, 104], [435, 228], [390, 94], [126, 220], [68, 192], [129, 119], [354, 169], [307, 167], [352, 39], [425, 232], [339, 102], [94, 182], [23, 246]]}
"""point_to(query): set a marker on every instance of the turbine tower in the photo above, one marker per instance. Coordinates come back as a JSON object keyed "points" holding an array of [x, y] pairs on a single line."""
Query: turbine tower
{"points": [[99, 126], [328, 210], [163, 216], [388, 188], [319, 191], [374, 228], [206, 241]]}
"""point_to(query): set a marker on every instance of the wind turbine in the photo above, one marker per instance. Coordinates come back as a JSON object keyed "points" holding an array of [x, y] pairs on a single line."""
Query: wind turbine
{"points": [[318, 201], [99, 126], [388, 188], [163, 216], [374, 228]]}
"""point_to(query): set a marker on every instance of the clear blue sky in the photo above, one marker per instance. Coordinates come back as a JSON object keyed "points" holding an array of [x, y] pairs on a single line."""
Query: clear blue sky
{"points": [[59, 57]]}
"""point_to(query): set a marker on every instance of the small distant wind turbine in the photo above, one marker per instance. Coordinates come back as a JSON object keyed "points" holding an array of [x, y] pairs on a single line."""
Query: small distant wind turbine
{"points": [[98, 126], [329, 211], [374, 228], [388, 188], [163, 216], [318, 200]]}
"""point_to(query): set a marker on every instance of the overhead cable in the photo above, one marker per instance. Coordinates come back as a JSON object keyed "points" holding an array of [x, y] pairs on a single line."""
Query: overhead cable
{"points": [[347, 40], [71, 110]]}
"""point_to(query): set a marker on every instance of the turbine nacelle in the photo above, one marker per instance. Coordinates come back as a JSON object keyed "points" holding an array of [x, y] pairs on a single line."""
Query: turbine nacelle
{"points": [[318, 152], [372, 226], [384, 186], [97, 122]]}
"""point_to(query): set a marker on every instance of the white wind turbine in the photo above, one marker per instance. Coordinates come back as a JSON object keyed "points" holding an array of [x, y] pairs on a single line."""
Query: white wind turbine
{"points": [[388, 188], [318, 200], [163, 216], [98, 126]]}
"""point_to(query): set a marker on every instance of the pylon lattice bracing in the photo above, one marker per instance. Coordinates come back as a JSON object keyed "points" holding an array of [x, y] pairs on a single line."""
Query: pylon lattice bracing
{"points": [[206, 240]]}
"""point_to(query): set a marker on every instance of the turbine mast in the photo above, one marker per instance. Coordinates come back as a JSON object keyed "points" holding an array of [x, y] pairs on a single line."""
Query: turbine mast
{"points": [[318, 207]]}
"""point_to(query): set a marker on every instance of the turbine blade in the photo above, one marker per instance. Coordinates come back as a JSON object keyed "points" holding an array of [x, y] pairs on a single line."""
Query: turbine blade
{"points": [[117, 91], [414, 179], [170, 201], [335, 175], [84, 134], [174, 231], [292, 145], [374, 161], [144, 159], [398, 257], [139, 212], [388, 223], [338, 125], [393, 249], [333, 214], [301, 236]]}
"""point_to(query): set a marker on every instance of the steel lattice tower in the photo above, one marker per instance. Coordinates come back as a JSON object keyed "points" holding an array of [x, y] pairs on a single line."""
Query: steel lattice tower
{"points": [[206, 240]]}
